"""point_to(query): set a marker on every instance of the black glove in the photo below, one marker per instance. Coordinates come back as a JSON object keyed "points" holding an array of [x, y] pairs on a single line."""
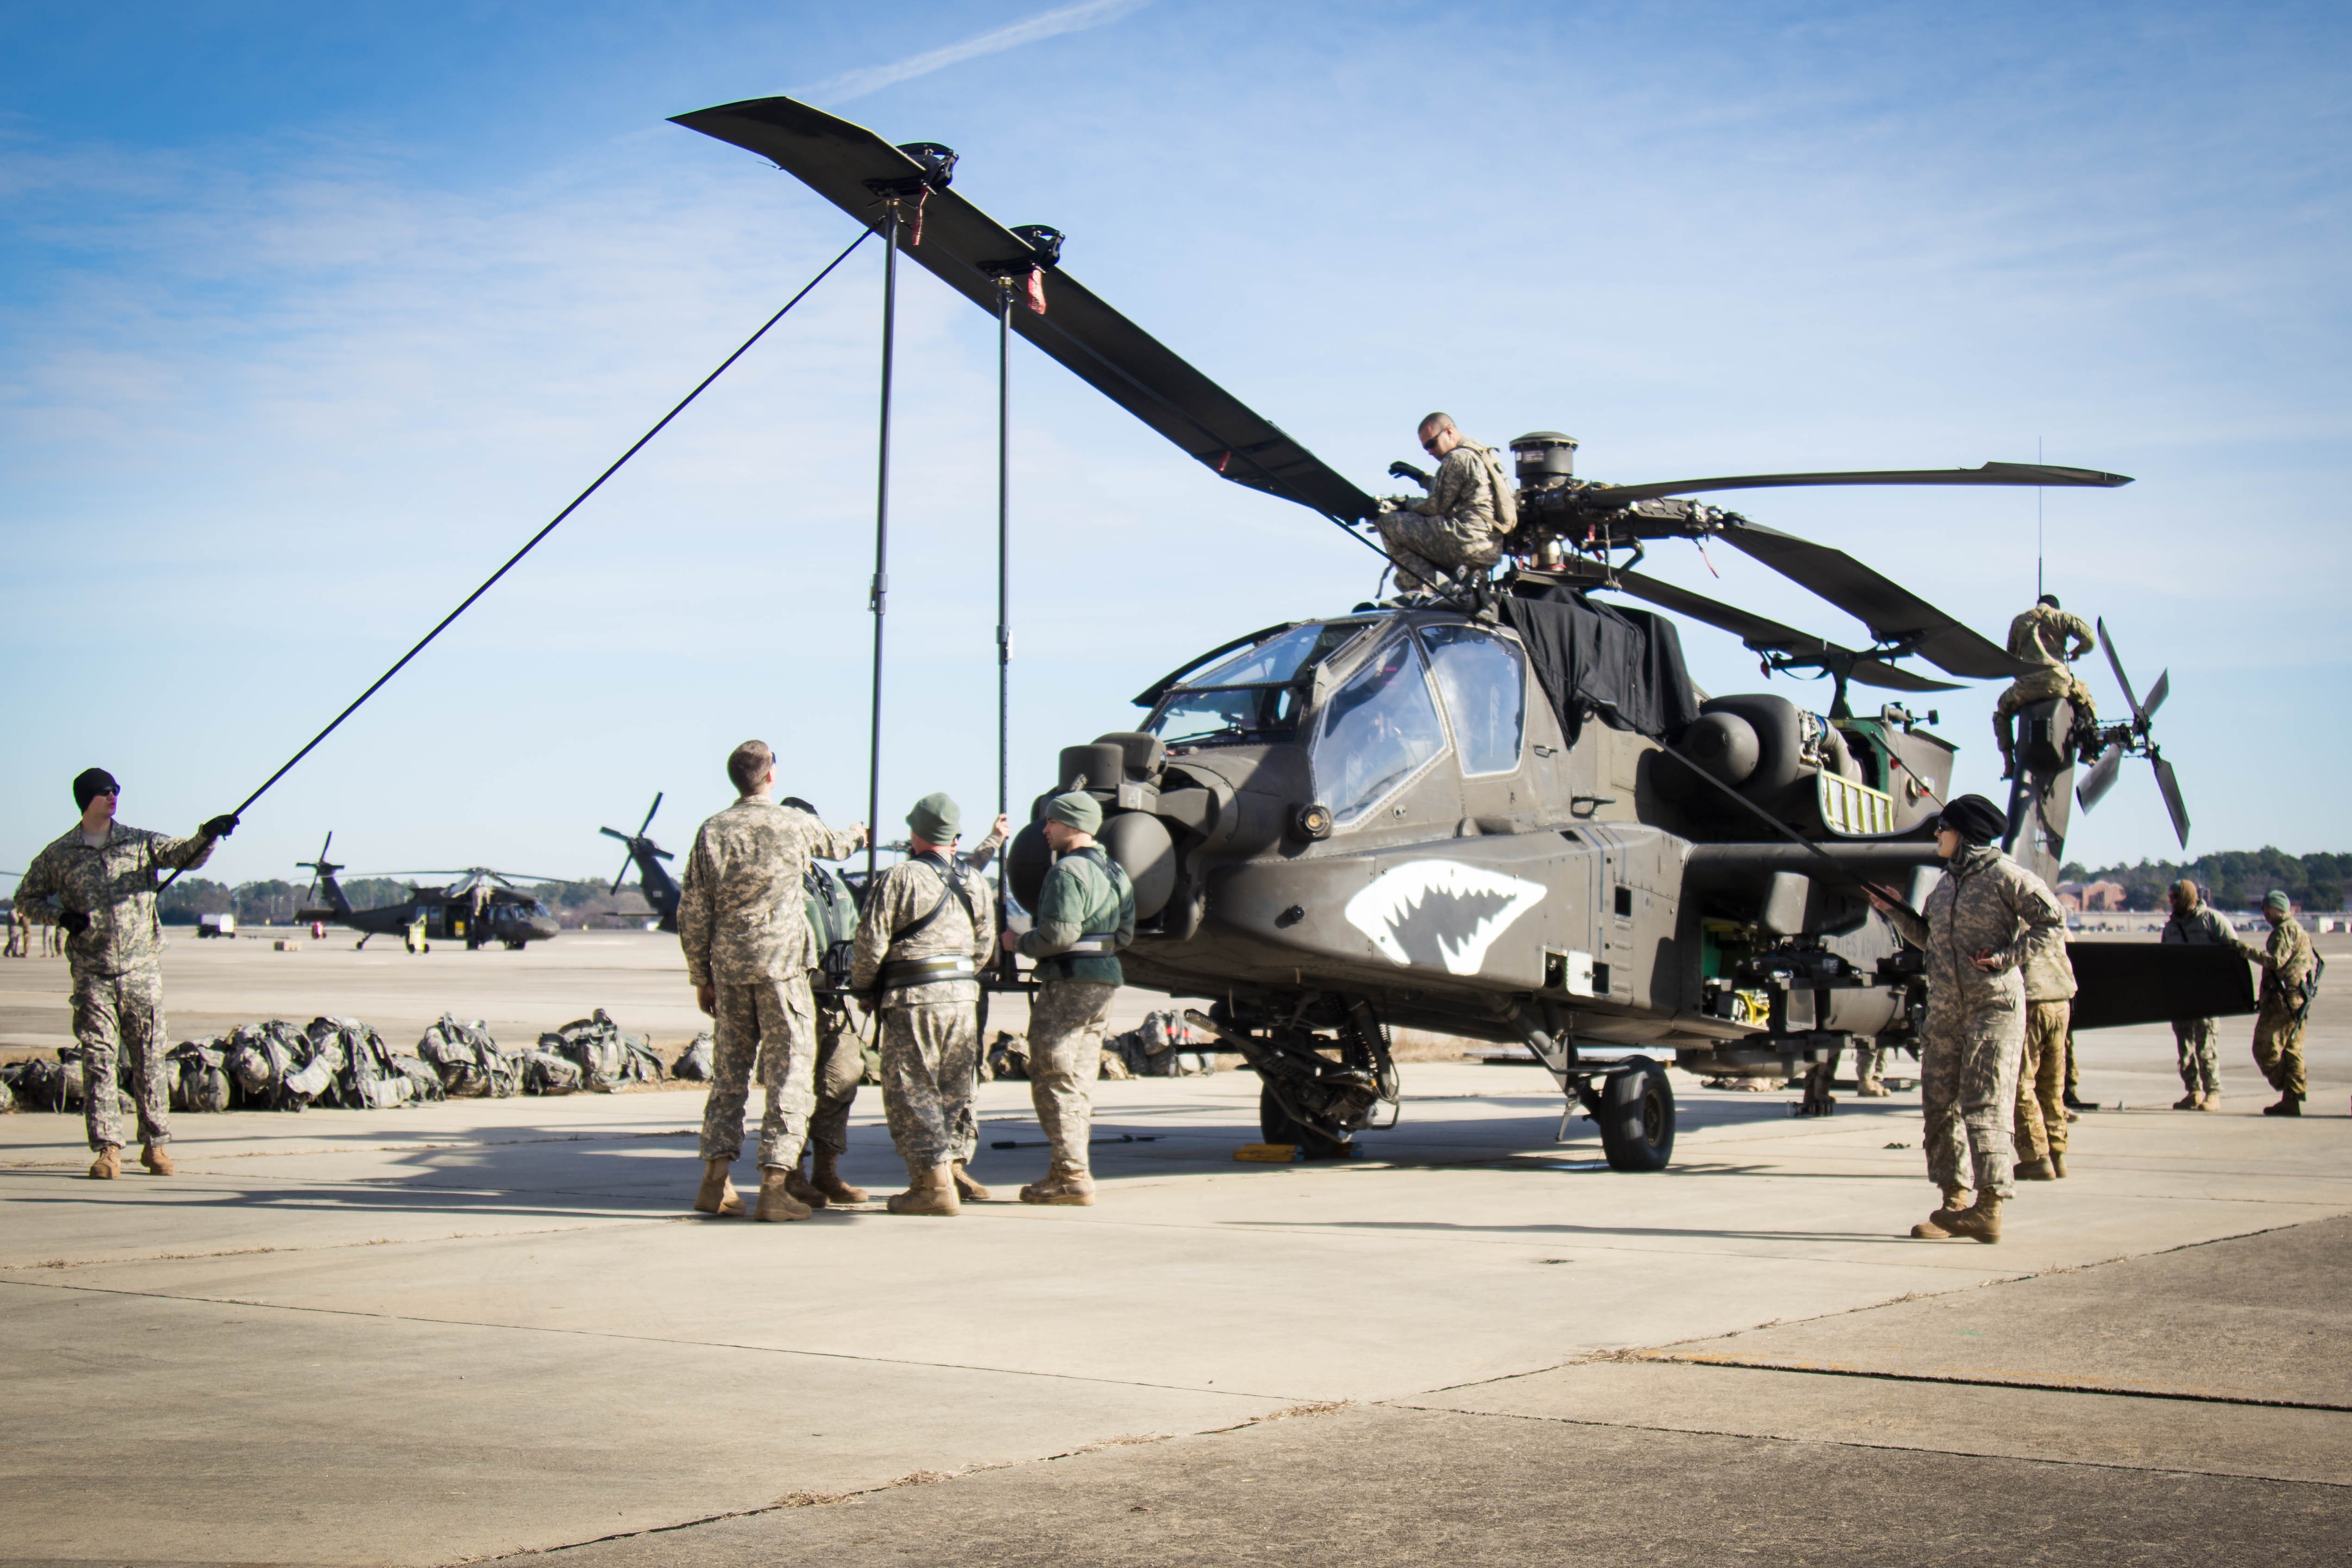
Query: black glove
{"points": [[219, 827], [73, 923]]}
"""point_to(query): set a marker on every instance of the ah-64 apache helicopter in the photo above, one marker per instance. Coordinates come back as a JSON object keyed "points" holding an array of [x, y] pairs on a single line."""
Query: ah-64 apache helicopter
{"points": [[480, 908], [1501, 810]]}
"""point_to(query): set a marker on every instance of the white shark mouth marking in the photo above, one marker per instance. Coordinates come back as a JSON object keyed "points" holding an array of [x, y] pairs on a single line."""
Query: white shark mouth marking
{"points": [[1442, 912]]}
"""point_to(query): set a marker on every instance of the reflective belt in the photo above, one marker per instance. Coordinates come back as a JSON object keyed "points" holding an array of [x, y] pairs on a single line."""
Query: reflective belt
{"points": [[1093, 941], [925, 971]]}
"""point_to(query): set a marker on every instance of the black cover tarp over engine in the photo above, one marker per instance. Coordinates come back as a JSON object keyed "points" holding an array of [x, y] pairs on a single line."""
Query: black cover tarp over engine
{"points": [[1623, 667]]}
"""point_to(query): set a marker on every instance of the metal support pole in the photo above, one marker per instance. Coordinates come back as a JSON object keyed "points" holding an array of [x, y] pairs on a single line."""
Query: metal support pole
{"points": [[1003, 580], [879, 595]]}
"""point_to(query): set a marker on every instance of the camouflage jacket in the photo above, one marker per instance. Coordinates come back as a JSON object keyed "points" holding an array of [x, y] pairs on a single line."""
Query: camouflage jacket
{"points": [[1986, 900], [743, 913], [2201, 927], [1471, 492], [1085, 897], [2286, 965], [905, 894], [115, 887], [2046, 634]]}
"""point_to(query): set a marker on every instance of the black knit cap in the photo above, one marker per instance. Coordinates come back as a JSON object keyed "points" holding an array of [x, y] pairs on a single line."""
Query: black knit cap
{"points": [[92, 782], [1975, 819]]}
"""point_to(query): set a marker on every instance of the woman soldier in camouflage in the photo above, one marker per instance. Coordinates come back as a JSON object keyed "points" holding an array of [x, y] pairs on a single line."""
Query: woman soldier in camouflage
{"points": [[1986, 920]]}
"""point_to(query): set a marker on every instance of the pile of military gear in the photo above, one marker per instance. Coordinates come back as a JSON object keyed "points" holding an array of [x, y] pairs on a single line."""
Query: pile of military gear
{"points": [[1163, 1045], [694, 1063], [470, 1064], [601, 1057], [367, 1074], [273, 1066], [54, 1085], [199, 1076], [1007, 1057]]}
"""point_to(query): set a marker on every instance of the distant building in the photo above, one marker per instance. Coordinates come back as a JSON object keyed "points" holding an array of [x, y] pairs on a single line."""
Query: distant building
{"points": [[2093, 897]]}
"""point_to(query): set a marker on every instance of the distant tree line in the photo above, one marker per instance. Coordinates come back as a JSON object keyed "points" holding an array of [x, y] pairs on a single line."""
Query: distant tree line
{"points": [[2233, 879], [276, 902]]}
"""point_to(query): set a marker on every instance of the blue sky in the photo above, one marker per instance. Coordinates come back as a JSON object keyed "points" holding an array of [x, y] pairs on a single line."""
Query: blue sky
{"points": [[312, 314]]}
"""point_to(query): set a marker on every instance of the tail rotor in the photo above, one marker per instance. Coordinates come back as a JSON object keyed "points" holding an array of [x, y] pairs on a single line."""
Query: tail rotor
{"points": [[2113, 743]]}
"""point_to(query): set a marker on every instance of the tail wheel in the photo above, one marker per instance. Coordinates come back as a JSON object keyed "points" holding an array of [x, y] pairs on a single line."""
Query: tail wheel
{"points": [[1637, 1119], [1279, 1126]]}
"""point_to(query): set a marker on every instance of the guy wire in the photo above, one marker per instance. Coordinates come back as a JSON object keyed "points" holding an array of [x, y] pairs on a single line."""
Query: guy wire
{"points": [[532, 542]]}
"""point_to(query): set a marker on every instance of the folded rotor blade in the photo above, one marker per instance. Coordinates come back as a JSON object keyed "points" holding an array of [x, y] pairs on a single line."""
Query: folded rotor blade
{"points": [[1764, 634], [2156, 694], [2101, 778], [2041, 475], [2169, 787], [2138, 714], [1892, 612], [624, 871], [615, 833], [648, 822], [969, 250]]}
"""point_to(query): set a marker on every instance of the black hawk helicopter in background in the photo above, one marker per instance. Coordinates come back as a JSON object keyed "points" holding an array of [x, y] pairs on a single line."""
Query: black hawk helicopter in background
{"points": [[1503, 811], [658, 888], [481, 906]]}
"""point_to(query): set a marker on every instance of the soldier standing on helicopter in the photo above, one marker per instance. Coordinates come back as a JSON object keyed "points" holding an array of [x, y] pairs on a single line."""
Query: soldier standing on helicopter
{"points": [[1085, 915], [2049, 638], [1986, 920], [1461, 523]]}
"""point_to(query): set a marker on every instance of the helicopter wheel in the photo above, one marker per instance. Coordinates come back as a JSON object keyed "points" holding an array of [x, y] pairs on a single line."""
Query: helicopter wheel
{"points": [[1279, 1126], [1636, 1114]]}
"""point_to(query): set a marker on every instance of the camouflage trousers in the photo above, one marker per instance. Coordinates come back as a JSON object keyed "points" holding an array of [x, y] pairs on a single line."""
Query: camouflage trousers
{"points": [[840, 1064], [1968, 1088], [2194, 1042], [1427, 547], [2044, 684], [1065, 1039], [929, 1056], [770, 1026], [120, 1017], [2278, 1049], [2042, 1080]]}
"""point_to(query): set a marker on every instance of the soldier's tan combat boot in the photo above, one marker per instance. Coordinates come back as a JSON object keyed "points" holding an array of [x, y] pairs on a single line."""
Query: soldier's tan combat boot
{"points": [[718, 1196], [156, 1159], [967, 1189], [1065, 1184], [827, 1180], [1980, 1221], [930, 1192], [802, 1189], [2288, 1105], [2210, 1103], [107, 1165], [2192, 1100], [1937, 1227], [2036, 1170], [2058, 1163], [776, 1200], [1872, 1087]]}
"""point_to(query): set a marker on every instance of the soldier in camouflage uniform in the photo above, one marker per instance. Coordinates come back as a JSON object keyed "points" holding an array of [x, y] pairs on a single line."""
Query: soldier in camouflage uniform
{"points": [[742, 921], [2049, 638], [99, 881], [1086, 916], [2196, 923], [927, 928], [2288, 968], [1987, 920], [1462, 522], [2041, 1068]]}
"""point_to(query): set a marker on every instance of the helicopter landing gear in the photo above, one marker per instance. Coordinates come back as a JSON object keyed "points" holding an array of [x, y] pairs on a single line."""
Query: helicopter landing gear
{"points": [[1308, 1099], [1277, 1125], [1635, 1109]]}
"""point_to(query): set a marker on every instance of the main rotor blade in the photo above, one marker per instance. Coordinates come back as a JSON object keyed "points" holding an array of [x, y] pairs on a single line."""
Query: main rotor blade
{"points": [[1892, 612], [1764, 634], [624, 871], [648, 822], [2041, 475], [968, 250], [2101, 778], [2156, 694], [615, 833], [2169, 787], [2138, 714]]}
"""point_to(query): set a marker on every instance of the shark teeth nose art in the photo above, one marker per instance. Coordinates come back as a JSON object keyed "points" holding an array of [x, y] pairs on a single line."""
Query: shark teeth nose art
{"points": [[1441, 912]]}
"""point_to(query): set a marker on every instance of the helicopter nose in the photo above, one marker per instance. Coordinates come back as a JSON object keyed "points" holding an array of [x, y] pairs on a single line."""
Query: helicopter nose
{"points": [[543, 931]]}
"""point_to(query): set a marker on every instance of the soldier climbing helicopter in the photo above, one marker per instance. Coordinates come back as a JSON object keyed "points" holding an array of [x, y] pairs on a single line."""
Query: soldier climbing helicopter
{"points": [[1497, 807]]}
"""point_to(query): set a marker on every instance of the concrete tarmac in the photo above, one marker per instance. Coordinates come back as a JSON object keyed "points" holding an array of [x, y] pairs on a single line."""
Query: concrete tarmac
{"points": [[483, 1328]]}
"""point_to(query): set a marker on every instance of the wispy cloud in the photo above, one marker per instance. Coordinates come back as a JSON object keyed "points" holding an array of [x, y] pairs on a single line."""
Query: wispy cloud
{"points": [[1044, 24]]}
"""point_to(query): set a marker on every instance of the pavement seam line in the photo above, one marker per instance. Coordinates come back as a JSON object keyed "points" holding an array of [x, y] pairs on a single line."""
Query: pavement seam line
{"points": [[635, 1339], [1661, 1358]]}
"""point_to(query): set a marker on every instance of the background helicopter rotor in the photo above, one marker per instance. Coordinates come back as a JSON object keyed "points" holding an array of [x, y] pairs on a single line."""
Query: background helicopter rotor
{"points": [[634, 840]]}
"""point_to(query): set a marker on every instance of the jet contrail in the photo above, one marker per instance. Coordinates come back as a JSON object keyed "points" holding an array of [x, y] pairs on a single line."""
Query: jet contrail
{"points": [[1045, 24]]}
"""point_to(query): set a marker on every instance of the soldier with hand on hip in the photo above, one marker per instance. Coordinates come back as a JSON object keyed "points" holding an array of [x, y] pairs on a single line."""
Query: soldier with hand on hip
{"points": [[1985, 922], [927, 929], [1086, 916], [2289, 976], [2196, 923], [100, 880], [742, 919]]}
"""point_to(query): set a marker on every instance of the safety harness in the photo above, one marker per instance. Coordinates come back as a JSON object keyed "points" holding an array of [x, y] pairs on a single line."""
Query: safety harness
{"points": [[904, 972]]}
